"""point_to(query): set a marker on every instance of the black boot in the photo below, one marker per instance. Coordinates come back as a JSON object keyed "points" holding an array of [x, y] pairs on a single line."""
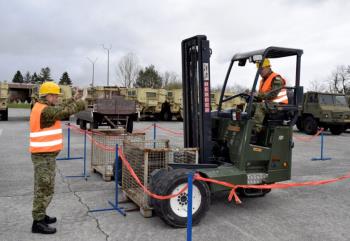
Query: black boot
{"points": [[49, 220], [42, 227]]}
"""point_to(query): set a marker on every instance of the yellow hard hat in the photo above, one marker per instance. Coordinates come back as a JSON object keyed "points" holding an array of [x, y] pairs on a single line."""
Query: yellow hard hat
{"points": [[265, 64], [49, 88]]}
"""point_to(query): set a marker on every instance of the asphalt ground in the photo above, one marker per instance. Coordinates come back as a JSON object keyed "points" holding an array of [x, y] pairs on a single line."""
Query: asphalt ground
{"points": [[302, 213]]}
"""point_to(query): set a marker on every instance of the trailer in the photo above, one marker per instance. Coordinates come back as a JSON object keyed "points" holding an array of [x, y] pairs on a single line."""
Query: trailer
{"points": [[115, 112]]}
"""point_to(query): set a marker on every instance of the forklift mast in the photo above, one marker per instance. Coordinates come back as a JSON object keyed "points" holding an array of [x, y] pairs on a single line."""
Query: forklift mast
{"points": [[196, 95]]}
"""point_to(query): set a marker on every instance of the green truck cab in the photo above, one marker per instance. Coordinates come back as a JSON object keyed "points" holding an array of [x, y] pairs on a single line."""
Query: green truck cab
{"points": [[324, 110]]}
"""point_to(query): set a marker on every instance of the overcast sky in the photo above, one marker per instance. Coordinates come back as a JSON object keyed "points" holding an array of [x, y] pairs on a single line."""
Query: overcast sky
{"points": [[62, 33]]}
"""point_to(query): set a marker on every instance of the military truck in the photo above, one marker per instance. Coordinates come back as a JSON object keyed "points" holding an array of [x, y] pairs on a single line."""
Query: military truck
{"points": [[151, 103], [215, 99], [324, 110], [174, 98], [107, 107], [4, 93]]}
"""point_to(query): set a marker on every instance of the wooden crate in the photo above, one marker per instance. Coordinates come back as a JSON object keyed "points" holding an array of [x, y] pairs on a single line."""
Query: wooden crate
{"points": [[106, 171]]}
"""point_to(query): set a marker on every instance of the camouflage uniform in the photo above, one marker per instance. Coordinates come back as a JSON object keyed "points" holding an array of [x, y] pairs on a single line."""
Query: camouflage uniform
{"points": [[260, 107], [45, 163]]}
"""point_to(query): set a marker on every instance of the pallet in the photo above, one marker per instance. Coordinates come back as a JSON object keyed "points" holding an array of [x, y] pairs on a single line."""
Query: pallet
{"points": [[145, 211], [105, 171]]}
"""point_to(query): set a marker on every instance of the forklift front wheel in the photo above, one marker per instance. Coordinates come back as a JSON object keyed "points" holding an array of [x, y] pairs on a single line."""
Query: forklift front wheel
{"points": [[174, 211]]}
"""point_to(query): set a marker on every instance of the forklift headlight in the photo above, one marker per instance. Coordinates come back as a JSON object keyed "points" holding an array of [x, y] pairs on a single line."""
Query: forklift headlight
{"points": [[326, 116]]}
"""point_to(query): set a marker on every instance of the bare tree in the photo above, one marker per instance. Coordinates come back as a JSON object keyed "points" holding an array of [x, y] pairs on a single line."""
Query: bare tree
{"points": [[237, 88], [171, 80], [127, 69], [318, 86], [340, 80]]}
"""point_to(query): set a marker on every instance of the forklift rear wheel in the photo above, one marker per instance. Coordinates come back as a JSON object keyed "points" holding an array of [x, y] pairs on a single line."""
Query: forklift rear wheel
{"points": [[174, 211], [310, 125]]}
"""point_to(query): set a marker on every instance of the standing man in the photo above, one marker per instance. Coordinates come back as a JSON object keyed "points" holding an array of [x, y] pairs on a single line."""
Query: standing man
{"points": [[270, 81], [46, 141]]}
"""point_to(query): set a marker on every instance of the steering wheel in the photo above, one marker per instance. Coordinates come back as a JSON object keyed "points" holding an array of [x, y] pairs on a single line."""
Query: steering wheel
{"points": [[245, 96]]}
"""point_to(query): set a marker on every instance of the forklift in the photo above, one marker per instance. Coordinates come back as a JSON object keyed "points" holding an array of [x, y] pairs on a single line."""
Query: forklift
{"points": [[229, 149]]}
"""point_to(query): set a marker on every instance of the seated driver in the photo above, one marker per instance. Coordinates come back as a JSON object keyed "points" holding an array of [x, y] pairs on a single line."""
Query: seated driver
{"points": [[270, 81]]}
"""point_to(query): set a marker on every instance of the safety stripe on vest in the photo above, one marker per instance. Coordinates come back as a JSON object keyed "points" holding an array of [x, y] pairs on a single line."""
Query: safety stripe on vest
{"points": [[45, 133], [280, 99], [46, 143], [282, 92]]}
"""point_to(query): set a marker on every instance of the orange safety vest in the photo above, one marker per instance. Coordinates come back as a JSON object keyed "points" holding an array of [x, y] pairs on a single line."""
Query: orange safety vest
{"points": [[47, 139], [266, 86]]}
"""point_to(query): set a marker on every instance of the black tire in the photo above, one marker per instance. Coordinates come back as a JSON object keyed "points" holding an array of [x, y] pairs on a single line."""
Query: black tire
{"points": [[179, 118], [82, 124], [310, 125], [95, 125], [167, 116], [337, 130], [165, 184], [299, 125], [130, 125], [77, 121], [5, 115]]}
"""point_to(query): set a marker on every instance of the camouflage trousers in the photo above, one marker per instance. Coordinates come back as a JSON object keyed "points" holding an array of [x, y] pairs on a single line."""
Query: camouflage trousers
{"points": [[259, 115], [44, 182]]}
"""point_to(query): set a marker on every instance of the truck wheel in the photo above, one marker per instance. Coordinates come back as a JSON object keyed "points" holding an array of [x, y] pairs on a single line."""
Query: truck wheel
{"points": [[167, 116], [5, 114], [174, 211], [299, 125], [179, 118], [130, 125], [82, 124], [95, 125], [310, 125], [336, 130], [77, 121]]}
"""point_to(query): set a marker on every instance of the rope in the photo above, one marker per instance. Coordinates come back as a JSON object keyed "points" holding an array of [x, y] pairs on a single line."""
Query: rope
{"points": [[170, 131], [232, 186], [300, 138]]}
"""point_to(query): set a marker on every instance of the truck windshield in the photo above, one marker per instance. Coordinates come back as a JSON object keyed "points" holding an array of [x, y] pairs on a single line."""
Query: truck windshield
{"points": [[326, 99], [338, 100]]}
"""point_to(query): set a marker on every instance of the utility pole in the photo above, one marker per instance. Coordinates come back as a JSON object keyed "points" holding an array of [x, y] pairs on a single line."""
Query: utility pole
{"points": [[108, 49], [93, 70]]}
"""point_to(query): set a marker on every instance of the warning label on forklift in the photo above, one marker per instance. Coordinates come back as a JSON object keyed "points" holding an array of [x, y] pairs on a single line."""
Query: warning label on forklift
{"points": [[206, 87], [206, 96]]}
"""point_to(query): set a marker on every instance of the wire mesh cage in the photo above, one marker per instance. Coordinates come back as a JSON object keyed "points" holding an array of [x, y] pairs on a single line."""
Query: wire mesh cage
{"points": [[144, 157], [102, 160], [184, 155]]}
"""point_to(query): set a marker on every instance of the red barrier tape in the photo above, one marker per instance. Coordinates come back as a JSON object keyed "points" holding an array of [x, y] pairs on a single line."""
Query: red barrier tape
{"points": [[300, 138], [170, 131], [143, 130], [226, 184]]}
